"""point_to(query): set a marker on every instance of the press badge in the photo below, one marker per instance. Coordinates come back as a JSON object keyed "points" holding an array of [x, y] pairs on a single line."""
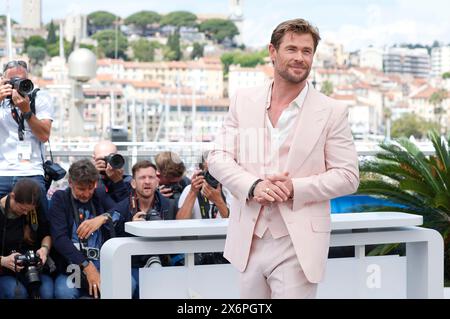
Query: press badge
{"points": [[24, 151]]}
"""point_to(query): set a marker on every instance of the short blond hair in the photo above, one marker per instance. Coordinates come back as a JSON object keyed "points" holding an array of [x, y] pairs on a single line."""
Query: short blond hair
{"points": [[170, 165], [298, 26]]}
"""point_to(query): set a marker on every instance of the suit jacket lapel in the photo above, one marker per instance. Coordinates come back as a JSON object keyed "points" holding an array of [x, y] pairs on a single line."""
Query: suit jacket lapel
{"points": [[256, 110], [310, 124]]}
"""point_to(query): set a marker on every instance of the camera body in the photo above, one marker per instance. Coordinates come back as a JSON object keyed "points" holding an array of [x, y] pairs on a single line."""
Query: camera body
{"points": [[175, 188], [32, 264], [28, 259], [53, 171], [210, 179], [116, 161], [91, 253], [23, 86], [153, 214]]}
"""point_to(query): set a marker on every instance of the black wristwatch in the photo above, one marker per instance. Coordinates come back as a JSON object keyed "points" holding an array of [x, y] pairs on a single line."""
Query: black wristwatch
{"points": [[27, 115], [252, 189], [84, 264]]}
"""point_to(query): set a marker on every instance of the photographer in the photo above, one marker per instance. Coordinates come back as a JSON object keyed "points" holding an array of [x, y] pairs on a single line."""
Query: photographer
{"points": [[204, 199], [25, 244], [79, 226], [144, 204], [110, 165], [25, 123], [171, 174], [201, 199]]}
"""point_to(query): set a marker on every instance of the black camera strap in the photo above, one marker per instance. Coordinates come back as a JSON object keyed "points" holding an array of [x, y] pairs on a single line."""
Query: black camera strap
{"points": [[76, 215], [18, 118], [203, 202], [205, 207]]}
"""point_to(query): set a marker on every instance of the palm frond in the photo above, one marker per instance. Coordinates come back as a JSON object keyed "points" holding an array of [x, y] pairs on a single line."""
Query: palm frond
{"points": [[382, 250], [392, 170], [441, 150], [393, 192], [422, 163]]}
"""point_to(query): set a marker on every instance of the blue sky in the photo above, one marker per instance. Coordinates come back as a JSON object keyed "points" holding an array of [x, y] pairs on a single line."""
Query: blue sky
{"points": [[354, 23]]}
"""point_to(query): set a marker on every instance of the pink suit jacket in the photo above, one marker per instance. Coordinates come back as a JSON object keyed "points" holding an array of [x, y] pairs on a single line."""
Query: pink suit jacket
{"points": [[322, 162]]}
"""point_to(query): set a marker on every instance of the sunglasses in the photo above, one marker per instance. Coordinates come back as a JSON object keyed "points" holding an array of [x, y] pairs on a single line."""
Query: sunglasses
{"points": [[13, 64]]}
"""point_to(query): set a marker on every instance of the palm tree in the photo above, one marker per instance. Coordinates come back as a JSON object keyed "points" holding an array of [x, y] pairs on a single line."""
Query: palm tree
{"points": [[413, 182], [436, 100]]}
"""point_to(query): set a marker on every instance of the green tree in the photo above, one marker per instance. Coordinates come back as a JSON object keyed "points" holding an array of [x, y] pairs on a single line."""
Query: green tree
{"points": [[197, 50], [179, 19], [173, 51], [413, 183], [327, 88], [446, 75], [436, 100], [35, 41], [87, 46], [51, 36], [143, 19], [219, 29], [143, 50], [243, 59], [411, 124], [107, 43], [101, 19], [3, 21], [36, 54], [53, 49]]}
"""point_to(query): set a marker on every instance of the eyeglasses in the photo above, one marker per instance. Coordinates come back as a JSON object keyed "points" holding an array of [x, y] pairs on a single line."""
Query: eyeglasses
{"points": [[15, 63]]}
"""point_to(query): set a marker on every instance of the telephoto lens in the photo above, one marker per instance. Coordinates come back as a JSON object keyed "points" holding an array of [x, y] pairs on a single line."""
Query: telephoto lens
{"points": [[115, 160], [23, 86]]}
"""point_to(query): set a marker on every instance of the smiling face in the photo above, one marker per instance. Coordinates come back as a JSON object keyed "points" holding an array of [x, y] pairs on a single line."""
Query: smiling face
{"points": [[145, 182], [294, 57]]}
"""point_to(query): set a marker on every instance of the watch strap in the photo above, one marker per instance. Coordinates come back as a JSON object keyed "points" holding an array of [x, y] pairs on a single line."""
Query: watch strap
{"points": [[27, 115]]}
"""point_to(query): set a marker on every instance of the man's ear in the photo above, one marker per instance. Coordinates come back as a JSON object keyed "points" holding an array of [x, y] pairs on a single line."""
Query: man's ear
{"points": [[133, 183], [272, 53]]}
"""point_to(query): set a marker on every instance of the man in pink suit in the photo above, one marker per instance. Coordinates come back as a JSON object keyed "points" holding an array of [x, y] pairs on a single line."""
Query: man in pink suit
{"points": [[284, 151]]}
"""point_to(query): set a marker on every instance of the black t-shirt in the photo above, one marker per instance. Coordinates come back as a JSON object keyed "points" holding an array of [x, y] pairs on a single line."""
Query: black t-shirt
{"points": [[12, 233]]}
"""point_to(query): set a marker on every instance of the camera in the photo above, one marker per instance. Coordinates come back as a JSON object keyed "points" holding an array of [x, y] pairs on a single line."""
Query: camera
{"points": [[90, 252], [153, 215], [210, 179], [32, 264], [153, 261], [23, 86], [52, 172], [116, 161], [176, 190]]}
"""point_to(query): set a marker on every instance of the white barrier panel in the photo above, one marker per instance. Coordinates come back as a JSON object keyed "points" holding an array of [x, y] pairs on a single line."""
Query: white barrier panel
{"points": [[417, 275]]}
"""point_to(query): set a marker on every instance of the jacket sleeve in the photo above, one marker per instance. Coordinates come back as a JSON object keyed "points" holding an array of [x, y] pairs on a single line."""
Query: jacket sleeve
{"points": [[62, 240], [341, 159], [223, 159]]}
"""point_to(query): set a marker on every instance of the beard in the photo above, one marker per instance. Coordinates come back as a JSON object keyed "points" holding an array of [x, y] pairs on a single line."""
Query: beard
{"points": [[294, 78], [145, 194]]}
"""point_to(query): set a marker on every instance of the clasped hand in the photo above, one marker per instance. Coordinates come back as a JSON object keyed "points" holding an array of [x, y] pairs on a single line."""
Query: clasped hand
{"points": [[275, 188]]}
